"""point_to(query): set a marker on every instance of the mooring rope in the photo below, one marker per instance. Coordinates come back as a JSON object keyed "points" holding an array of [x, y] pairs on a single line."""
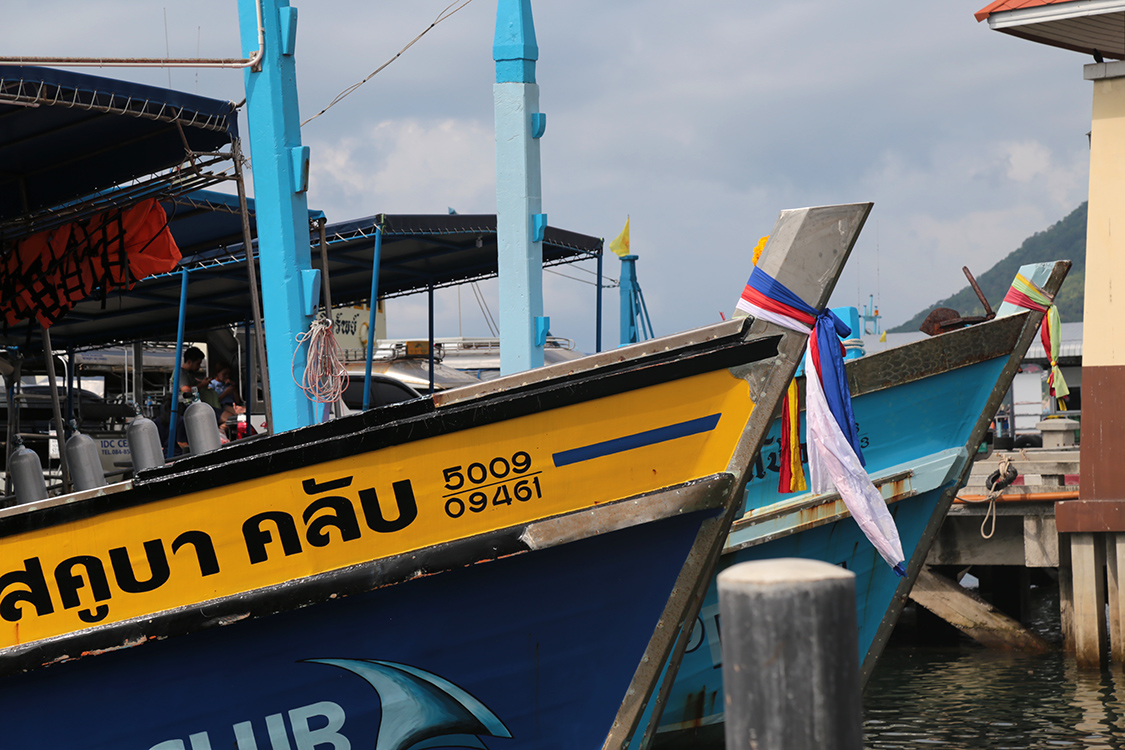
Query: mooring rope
{"points": [[997, 482]]}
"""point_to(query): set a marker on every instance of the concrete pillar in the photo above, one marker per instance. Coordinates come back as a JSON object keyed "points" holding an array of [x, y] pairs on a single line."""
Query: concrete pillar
{"points": [[1066, 595], [1087, 556], [1115, 568]]}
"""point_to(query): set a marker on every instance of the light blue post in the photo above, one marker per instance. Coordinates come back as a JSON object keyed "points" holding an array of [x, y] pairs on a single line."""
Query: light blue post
{"points": [[290, 286], [598, 307], [371, 316], [520, 223]]}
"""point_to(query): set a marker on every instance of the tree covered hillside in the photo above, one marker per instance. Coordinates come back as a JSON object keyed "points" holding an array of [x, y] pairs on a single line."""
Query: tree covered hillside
{"points": [[1066, 240]]}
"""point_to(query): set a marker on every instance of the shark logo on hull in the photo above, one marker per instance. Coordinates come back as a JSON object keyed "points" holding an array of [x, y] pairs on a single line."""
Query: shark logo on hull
{"points": [[422, 710]]}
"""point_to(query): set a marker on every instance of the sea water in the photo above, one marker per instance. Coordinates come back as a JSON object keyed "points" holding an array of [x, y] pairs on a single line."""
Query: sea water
{"points": [[975, 698], [967, 696]]}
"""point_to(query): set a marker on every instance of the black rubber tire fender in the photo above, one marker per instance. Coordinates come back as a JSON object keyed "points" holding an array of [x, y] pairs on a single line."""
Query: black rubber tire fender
{"points": [[995, 482]]}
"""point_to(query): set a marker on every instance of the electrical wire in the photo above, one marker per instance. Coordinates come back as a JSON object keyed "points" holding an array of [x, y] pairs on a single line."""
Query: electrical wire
{"points": [[614, 283], [446, 13], [493, 329]]}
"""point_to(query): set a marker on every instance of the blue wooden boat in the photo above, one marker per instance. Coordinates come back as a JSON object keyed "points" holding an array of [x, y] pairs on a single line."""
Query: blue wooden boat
{"points": [[438, 572], [923, 410]]}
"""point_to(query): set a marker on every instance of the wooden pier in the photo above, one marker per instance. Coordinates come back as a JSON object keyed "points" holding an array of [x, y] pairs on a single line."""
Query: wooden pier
{"points": [[1007, 543]]}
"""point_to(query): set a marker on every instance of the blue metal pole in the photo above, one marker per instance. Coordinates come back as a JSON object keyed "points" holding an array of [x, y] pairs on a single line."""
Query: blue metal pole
{"points": [[289, 283], [627, 295], [70, 374], [431, 297], [170, 449], [598, 322], [374, 302], [646, 328]]}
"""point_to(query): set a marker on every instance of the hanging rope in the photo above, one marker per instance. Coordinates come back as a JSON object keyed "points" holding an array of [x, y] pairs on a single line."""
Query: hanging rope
{"points": [[997, 482], [325, 378]]}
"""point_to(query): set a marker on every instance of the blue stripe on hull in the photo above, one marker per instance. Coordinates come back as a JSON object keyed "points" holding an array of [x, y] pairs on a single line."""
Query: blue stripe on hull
{"points": [[524, 636], [639, 440], [899, 424]]}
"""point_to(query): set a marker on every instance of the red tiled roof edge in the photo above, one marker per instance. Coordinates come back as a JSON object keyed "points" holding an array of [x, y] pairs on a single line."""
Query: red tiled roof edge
{"points": [[1002, 5]]}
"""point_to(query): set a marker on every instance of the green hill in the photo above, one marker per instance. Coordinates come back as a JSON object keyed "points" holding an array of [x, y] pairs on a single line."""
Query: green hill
{"points": [[1066, 240]]}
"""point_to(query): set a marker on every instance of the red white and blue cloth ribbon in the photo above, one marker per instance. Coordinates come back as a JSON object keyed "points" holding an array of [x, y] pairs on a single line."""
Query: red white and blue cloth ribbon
{"points": [[835, 457]]}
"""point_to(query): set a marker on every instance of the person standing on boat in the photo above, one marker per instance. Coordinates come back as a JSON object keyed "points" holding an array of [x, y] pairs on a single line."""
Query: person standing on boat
{"points": [[191, 378], [191, 370]]}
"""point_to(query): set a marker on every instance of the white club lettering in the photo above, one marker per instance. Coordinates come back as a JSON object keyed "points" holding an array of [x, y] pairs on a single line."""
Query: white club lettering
{"points": [[314, 739], [195, 742], [300, 721]]}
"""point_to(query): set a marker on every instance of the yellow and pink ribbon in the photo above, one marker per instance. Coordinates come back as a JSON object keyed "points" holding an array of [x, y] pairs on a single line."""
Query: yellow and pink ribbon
{"points": [[1026, 294]]}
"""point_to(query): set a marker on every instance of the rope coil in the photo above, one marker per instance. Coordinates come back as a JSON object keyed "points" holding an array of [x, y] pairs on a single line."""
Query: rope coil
{"points": [[325, 378]]}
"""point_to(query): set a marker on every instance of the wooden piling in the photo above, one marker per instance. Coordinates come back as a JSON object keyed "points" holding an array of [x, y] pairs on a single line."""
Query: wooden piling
{"points": [[790, 656]]}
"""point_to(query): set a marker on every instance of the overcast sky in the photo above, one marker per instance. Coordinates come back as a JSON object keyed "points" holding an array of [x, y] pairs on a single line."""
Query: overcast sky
{"points": [[699, 120]]}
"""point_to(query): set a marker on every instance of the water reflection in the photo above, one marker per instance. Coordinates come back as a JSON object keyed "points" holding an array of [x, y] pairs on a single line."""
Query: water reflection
{"points": [[974, 698]]}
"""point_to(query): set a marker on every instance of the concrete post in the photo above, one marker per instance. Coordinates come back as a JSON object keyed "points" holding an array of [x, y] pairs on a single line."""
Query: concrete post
{"points": [[1087, 559], [790, 656], [290, 286], [520, 221], [1114, 554]]}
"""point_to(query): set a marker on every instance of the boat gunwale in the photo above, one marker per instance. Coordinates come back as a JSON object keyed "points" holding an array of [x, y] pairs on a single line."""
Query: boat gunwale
{"points": [[701, 496], [411, 421]]}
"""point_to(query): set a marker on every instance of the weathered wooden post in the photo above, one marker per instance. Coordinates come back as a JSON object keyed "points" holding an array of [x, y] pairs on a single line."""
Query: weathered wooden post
{"points": [[790, 656]]}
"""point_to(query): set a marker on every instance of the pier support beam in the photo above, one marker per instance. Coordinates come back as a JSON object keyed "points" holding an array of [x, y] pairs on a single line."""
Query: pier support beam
{"points": [[1115, 568], [1087, 561], [972, 615], [1091, 537]]}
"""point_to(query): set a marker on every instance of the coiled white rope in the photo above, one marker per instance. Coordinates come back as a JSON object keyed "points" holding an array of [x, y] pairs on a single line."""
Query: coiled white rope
{"points": [[325, 378]]}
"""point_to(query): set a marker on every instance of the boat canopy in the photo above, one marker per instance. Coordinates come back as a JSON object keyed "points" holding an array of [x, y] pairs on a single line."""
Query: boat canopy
{"points": [[417, 251], [423, 250], [67, 138]]}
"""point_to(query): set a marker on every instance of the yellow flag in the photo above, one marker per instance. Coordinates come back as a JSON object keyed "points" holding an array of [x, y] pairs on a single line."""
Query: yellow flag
{"points": [[883, 338], [621, 244]]}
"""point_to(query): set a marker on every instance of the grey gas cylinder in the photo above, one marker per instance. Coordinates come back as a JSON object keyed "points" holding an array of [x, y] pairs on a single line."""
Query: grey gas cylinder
{"points": [[27, 474], [85, 464], [202, 428], [144, 444]]}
